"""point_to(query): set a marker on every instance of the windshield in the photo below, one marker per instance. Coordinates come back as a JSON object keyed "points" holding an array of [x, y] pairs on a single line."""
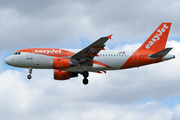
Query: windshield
{"points": [[17, 53]]}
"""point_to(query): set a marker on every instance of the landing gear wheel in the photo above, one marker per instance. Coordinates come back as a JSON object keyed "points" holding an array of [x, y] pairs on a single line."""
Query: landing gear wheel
{"points": [[29, 77], [85, 74], [85, 81], [30, 72]]}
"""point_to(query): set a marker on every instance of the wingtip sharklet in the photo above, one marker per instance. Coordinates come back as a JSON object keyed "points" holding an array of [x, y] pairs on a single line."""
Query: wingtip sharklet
{"points": [[109, 36]]}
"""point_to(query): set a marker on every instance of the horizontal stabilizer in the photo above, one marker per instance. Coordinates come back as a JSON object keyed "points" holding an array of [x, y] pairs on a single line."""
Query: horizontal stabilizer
{"points": [[161, 53]]}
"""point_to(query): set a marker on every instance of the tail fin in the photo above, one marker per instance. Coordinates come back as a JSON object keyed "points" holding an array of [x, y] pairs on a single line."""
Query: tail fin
{"points": [[157, 41]]}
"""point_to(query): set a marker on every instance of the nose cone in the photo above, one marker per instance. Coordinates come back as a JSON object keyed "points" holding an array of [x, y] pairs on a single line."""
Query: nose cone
{"points": [[8, 60]]}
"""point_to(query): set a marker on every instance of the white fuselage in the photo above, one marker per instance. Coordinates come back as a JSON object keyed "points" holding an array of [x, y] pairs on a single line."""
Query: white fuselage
{"points": [[106, 60], [114, 59]]}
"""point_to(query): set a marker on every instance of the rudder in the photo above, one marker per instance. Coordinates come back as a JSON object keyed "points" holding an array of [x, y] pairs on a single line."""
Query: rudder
{"points": [[157, 40]]}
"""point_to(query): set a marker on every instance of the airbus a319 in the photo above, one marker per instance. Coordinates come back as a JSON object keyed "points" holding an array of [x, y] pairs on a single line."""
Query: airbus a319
{"points": [[69, 63]]}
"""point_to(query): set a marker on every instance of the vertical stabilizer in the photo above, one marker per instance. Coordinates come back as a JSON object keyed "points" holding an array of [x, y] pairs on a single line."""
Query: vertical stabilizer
{"points": [[152, 50], [157, 41]]}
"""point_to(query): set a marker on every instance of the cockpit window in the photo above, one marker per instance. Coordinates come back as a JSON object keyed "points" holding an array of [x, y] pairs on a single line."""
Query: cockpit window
{"points": [[17, 53]]}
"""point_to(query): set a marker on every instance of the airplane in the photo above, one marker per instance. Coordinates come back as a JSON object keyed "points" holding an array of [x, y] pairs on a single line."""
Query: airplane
{"points": [[69, 63]]}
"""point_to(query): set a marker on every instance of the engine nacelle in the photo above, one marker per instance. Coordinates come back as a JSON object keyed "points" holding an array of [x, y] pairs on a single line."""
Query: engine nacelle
{"points": [[61, 63], [63, 75]]}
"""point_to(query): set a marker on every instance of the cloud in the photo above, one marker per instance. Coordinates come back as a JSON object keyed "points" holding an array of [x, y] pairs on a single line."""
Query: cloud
{"points": [[26, 6], [176, 115], [47, 99], [70, 24]]}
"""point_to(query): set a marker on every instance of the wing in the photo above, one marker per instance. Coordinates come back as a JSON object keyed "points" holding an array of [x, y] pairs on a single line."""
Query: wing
{"points": [[91, 51]]}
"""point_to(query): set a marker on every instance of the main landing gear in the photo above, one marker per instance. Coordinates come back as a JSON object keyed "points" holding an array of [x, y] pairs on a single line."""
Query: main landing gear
{"points": [[85, 75], [30, 72]]}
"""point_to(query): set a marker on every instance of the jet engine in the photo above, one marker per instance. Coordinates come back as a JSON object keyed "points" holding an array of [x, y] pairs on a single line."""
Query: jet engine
{"points": [[63, 75], [61, 63]]}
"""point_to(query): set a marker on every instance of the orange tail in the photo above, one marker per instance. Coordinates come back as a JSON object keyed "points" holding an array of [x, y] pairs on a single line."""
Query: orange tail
{"points": [[157, 40]]}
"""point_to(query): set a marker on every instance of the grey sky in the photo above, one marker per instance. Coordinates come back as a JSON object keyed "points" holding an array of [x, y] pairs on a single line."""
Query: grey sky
{"points": [[65, 23]]}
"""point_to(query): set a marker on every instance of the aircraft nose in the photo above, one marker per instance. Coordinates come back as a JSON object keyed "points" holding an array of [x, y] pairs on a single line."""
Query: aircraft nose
{"points": [[8, 60]]}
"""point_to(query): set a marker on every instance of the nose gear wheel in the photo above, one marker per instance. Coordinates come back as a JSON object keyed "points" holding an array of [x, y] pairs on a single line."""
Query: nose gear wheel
{"points": [[30, 72]]}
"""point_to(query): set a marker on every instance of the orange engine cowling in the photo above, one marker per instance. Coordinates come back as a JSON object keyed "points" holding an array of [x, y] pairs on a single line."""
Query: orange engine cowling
{"points": [[63, 75], [61, 63]]}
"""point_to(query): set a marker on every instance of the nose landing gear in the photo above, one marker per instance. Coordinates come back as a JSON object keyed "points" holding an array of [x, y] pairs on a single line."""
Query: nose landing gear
{"points": [[85, 75], [30, 72]]}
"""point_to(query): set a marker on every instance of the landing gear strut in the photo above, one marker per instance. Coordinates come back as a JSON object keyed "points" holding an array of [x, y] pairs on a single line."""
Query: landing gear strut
{"points": [[85, 75], [30, 72]]}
